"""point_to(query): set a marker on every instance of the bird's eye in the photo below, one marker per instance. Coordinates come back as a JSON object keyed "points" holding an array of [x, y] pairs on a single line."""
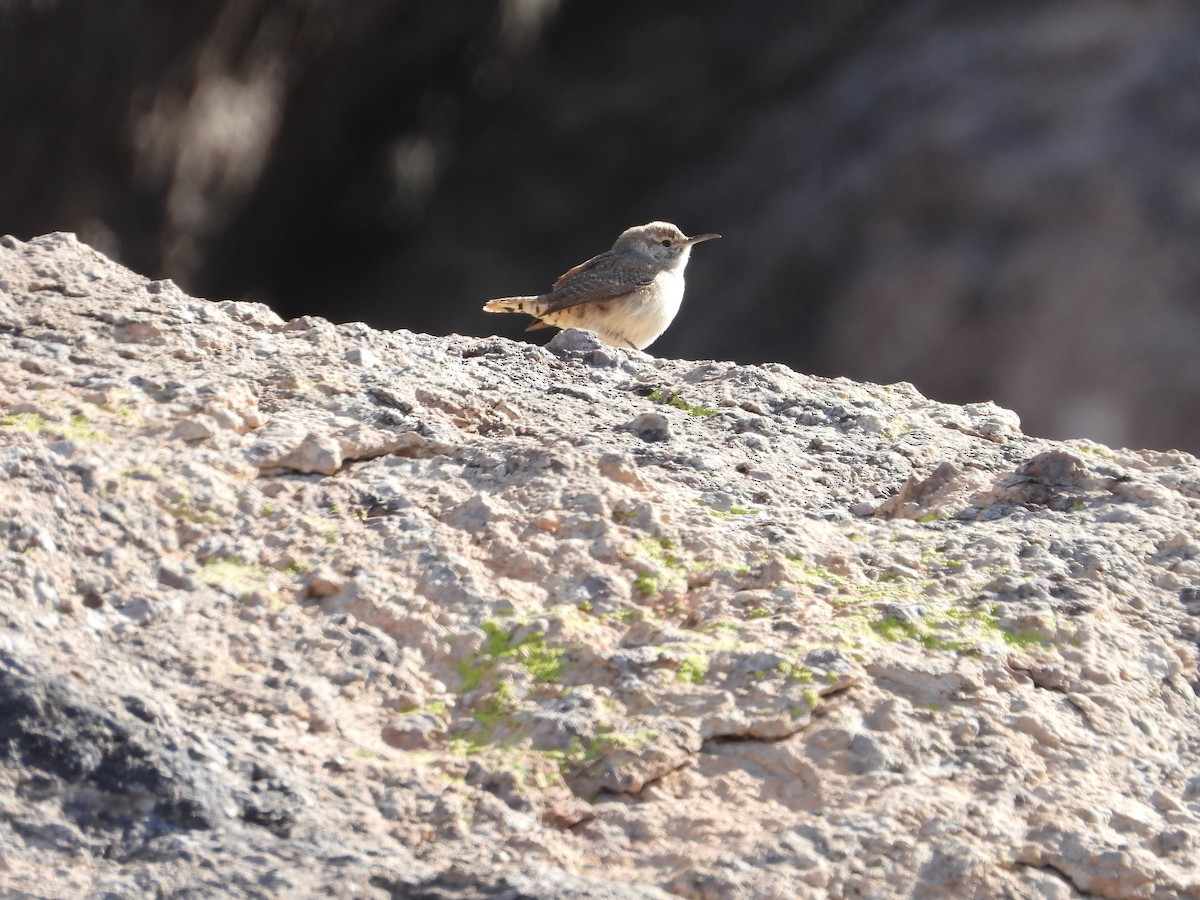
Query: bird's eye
{"points": [[666, 242]]}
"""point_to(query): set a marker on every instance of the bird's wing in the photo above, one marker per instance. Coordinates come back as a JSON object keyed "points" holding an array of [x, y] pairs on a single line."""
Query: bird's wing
{"points": [[602, 277], [599, 261]]}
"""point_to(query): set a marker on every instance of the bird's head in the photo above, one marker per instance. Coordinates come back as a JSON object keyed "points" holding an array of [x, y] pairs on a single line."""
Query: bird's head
{"points": [[660, 241]]}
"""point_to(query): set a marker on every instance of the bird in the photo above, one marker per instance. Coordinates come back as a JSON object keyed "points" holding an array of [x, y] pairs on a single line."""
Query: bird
{"points": [[627, 295]]}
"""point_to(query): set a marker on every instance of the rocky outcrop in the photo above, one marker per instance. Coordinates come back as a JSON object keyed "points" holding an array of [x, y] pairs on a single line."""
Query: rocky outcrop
{"points": [[987, 201], [303, 609]]}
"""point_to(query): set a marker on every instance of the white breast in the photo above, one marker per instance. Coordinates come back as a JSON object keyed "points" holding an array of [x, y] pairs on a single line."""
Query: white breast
{"points": [[655, 308]]}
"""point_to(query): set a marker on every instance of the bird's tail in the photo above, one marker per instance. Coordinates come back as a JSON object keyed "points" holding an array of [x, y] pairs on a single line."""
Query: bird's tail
{"points": [[528, 305]]}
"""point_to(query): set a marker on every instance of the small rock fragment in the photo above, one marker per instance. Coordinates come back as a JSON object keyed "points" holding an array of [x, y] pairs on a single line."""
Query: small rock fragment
{"points": [[414, 731], [361, 356], [650, 427], [197, 428], [620, 467]]}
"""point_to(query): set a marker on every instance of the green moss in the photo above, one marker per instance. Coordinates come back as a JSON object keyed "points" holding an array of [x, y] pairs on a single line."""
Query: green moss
{"points": [[812, 575], [236, 574], [646, 584], [31, 422], [181, 504], [794, 672], [891, 587], [758, 612], [544, 663], [579, 756], [675, 399], [661, 551], [575, 751], [329, 529], [457, 746], [937, 558], [492, 714], [692, 669], [811, 697], [77, 428], [1096, 450], [504, 749], [81, 430], [890, 591], [608, 739], [435, 708], [732, 511], [894, 630], [951, 626], [471, 675], [496, 708], [674, 567], [1022, 638], [932, 641], [574, 756], [496, 641]]}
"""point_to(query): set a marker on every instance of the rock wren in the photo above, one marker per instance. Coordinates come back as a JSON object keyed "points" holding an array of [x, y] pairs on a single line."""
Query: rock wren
{"points": [[627, 295]]}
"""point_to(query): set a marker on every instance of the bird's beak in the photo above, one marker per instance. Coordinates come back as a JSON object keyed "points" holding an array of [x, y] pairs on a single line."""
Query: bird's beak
{"points": [[701, 237]]}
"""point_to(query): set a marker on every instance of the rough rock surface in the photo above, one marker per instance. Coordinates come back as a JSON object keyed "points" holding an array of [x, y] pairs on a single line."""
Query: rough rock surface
{"points": [[989, 200], [297, 609]]}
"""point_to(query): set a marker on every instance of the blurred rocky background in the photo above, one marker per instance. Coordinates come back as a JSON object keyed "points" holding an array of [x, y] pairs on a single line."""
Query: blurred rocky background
{"points": [[992, 201]]}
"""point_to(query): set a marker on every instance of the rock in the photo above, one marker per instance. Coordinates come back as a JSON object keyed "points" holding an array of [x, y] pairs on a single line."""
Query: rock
{"points": [[619, 467], [142, 780], [413, 732], [362, 356], [197, 428], [323, 582], [310, 452], [649, 427], [508, 644], [574, 340]]}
